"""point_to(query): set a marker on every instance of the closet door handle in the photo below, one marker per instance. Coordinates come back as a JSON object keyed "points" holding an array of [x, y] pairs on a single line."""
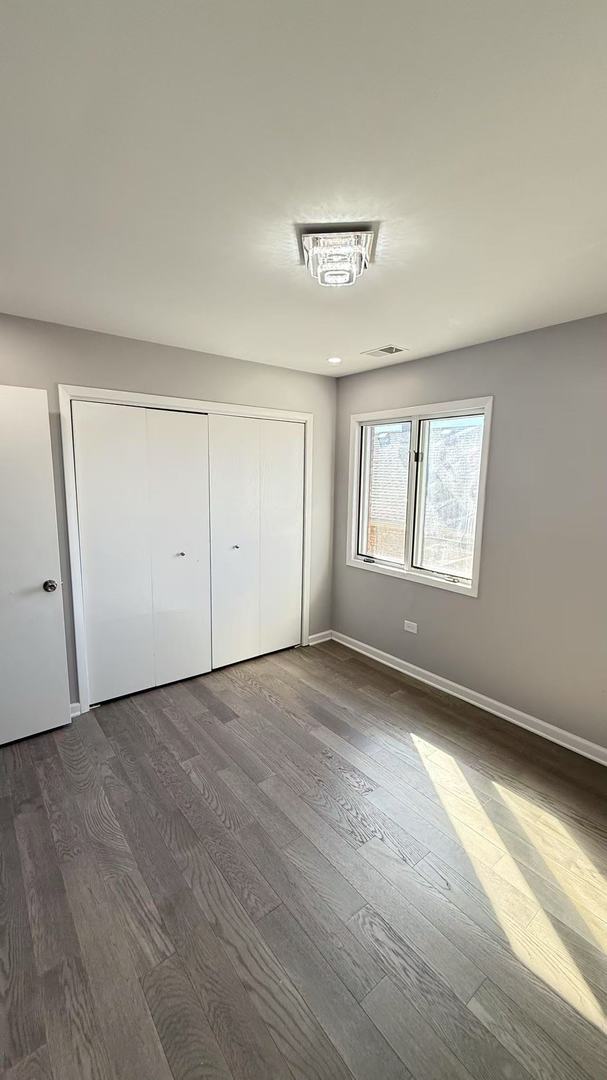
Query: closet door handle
{"points": [[181, 554], [235, 547]]}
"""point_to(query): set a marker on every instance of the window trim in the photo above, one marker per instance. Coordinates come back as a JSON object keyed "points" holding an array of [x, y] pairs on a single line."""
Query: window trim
{"points": [[415, 413]]}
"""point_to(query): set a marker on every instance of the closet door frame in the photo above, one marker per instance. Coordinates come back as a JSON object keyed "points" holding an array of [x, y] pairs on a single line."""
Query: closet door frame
{"points": [[68, 394]]}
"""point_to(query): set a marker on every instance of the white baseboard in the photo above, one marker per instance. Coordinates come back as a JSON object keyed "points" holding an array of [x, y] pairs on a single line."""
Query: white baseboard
{"points": [[506, 712], [74, 709], [315, 639]]}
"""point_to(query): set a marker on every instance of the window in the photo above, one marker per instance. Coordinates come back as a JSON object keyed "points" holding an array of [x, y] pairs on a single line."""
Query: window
{"points": [[417, 483]]}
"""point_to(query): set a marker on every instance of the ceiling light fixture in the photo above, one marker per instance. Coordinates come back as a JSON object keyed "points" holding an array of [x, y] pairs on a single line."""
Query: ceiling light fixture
{"points": [[334, 360], [336, 257]]}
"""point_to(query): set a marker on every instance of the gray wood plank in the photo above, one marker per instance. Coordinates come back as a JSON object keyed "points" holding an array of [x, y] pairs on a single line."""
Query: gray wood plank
{"points": [[64, 817], [123, 1018], [145, 935], [216, 705], [163, 727], [245, 1041], [256, 734], [80, 766], [181, 702], [198, 732], [468, 894], [457, 849], [462, 974], [350, 815], [21, 780], [189, 1044], [220, 799], [410, 1036], [555, 899], [160, 866], [36, 1066], [237, 751], [590, 959], [93, 737], [156, 798], [522, 1037], [429, 807], [106, 846], [354, 964], [362, 1047], [541, 980], [245, 880], [76, 1048], [331, 886], [21, 1023], [275, 823], [52, 926], [302, 1042], [440, 1014]]}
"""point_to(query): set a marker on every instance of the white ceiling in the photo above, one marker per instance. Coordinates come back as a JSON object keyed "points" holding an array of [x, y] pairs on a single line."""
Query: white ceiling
{"points": [[157, 153]]}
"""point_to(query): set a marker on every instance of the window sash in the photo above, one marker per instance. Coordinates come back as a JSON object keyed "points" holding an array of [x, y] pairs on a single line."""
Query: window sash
{"points": [[365, 493], [416, 481]]}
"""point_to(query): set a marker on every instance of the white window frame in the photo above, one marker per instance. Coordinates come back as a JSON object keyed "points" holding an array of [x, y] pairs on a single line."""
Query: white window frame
{"points": [[414, 414]]}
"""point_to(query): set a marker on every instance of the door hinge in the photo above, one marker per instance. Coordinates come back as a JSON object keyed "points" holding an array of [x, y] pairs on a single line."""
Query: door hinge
{"points": [[418, 455]]}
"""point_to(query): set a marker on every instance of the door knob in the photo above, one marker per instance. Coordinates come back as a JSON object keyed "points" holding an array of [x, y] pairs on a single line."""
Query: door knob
{"points": [[50, 585], [181, 554], [235, 547]]}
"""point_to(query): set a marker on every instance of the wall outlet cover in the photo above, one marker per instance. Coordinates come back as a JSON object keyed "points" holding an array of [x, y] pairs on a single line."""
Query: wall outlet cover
{"points": [[410, 626]]}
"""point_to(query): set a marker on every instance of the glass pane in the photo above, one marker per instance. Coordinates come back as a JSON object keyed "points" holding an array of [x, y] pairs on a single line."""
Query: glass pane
{"points": [[448, 494], [384, 479]]}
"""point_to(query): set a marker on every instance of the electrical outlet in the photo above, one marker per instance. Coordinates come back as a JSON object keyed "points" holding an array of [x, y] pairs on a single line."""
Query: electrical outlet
{"points": [[410, 626]]}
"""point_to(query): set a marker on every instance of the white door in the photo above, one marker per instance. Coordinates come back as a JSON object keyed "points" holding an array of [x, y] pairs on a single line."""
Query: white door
{"points": [[281, 532], [142, 485], [234, 473], [178, 478], [110, 453], [257, 473], [34, 694]]}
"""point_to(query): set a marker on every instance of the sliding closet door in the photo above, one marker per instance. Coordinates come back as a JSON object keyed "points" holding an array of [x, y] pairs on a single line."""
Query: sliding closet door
{"points": [[234, 472], [178, 484], [142, 484], [256, 535], [281, 534], [111, 474]]}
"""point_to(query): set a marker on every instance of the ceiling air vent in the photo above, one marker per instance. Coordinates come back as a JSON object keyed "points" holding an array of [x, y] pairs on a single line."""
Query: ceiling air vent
{"points": [[385, 350]]}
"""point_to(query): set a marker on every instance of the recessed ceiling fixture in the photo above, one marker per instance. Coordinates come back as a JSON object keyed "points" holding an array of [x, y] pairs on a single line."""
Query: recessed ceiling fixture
{"points": [[334, 360], [337, 255]]}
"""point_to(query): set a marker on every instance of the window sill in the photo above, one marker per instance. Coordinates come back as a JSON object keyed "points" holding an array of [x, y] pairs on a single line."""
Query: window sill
{"points": [[417, 576]]}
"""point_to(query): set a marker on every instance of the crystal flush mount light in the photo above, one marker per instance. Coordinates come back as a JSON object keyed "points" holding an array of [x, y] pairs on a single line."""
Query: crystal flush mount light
{"points": [[336, 257]]}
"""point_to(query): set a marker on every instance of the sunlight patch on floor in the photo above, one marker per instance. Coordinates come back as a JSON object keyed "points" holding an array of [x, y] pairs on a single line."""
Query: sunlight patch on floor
{"points": [[580, 882], [542, 952]]}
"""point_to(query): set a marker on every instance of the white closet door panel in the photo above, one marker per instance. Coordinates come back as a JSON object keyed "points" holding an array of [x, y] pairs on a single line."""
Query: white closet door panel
{"points": [[235, 495], [178, 485], [281, 528], [111, 469]]}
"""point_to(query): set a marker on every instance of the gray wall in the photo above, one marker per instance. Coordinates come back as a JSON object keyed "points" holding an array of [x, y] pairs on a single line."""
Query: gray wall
{"points": [[44, 354], [536, 636]]}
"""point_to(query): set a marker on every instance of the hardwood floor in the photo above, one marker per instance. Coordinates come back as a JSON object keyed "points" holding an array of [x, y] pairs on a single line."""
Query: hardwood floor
{"points": [[304, 866]]}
